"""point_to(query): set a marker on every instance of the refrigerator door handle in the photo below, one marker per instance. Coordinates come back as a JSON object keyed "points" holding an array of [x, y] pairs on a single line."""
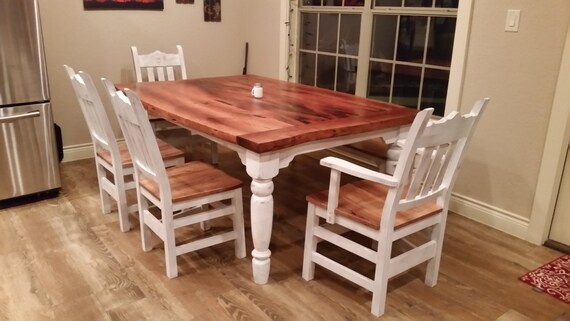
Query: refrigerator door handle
{"points": [[12, 118]]}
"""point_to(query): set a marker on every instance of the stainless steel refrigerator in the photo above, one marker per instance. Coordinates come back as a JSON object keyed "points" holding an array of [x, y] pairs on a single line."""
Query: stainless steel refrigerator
{"points": [[29, 163]]}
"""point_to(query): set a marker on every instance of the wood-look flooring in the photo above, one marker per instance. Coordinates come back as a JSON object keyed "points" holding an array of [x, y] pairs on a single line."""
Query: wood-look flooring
{"points": [[62, 259]]}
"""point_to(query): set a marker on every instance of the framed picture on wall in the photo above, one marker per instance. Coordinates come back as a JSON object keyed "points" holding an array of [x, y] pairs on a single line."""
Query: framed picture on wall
{"points": [[123, 4], [212, 10]]}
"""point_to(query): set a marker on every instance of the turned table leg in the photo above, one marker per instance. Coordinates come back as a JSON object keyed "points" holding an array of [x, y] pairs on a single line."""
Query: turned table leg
{"points": [[262, 169], [392, 157], [261, 226]]}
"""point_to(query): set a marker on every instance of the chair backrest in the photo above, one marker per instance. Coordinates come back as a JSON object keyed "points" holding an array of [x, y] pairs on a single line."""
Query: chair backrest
{"points": [[431, 156], [159, 65], [140, 138], [94, 113]]}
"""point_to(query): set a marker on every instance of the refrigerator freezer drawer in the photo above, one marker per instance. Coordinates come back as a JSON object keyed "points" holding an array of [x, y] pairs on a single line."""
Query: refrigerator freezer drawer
{"points": [[28, 159]]}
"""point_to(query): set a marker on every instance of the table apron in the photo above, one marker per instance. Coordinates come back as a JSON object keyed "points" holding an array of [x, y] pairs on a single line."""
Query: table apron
{"points": [[286, 155]]}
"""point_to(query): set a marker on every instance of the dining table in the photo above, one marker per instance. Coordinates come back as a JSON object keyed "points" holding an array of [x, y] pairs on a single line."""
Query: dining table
{"points": [[267, 132]]}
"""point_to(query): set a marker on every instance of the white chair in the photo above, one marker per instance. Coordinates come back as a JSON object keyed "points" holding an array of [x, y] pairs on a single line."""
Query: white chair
{"points": [[388, 208], [185, 194], [111, 158], [160, 66]]}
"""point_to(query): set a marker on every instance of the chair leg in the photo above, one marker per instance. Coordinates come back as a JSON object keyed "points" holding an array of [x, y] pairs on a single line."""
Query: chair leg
{"points": [[145, 230], [310, 243], [205, 225], [105, 197], [379, 298], [214, 153], [380, 289], [122, 205], [432, 270], [238, 225], [189, 146], [170, 252]]}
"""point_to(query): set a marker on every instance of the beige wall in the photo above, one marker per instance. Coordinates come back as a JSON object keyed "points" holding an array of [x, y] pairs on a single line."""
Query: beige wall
{"points": [[262, 27], [99, 42], [519, 72]]}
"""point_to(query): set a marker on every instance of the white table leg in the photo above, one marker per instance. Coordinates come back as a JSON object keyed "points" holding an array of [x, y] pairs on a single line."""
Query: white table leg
{"points": [[262, 169], [392, 156], [394, 151], [261, 226]]}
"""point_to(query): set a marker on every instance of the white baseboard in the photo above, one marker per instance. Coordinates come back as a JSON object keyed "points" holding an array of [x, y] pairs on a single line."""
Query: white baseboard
{"points": [[491, 216], [77, 152]]}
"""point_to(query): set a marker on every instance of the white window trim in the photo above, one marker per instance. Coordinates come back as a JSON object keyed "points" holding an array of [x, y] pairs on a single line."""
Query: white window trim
{"points": [[459, 56]]}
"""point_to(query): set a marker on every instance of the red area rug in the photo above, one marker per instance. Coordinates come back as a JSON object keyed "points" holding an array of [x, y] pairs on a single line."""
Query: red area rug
{"points": [[552, 278]]}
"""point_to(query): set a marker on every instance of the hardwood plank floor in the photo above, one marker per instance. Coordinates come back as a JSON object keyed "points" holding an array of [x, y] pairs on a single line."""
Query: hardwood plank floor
{"points": [[62, 259]]}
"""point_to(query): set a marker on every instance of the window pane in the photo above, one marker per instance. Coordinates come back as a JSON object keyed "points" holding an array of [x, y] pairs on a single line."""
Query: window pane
{"points": [[383, 37], [354, 3], [388, 3], [411, 38], [418, 3], [311, 2], [326, 71], [347, 3], [446, 3], [406, 86], [349, 34], [380, 80], [328, 27], [434, 90], [346, 76], [440, 46], [332, 2], [309, 31], [348, 45], [307, 68]]}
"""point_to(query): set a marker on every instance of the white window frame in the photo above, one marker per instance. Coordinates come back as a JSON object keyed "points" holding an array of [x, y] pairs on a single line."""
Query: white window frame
{"points": [[290, 35]]}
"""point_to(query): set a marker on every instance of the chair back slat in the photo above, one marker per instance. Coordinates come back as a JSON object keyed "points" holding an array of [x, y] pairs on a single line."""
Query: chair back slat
{"points": [[150, 74], [94, 113], [434, 165], [159, 66]]}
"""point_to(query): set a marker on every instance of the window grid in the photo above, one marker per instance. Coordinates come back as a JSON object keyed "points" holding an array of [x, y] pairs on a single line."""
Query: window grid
{"points": [[439, 8]]}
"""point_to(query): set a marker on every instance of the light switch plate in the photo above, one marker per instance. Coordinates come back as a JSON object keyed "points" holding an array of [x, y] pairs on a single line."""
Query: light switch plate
{"points": [[513, 19]]}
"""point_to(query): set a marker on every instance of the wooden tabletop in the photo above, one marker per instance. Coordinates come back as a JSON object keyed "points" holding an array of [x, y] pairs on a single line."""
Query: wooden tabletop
{"points": [[289, 114]]}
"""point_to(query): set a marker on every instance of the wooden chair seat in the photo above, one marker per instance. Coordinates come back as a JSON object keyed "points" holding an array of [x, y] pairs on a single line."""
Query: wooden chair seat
{"points": [[363, 202], [167, 151], [183, 178]]}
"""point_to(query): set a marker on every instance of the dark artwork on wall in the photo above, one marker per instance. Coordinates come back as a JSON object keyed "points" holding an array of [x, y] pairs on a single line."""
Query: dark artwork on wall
{"points": [[212, 10], [185, 1], [123, 4]]}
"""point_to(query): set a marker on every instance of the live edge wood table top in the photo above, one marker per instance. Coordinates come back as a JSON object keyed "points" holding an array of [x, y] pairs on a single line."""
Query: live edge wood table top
{"points": [[267, 133]]}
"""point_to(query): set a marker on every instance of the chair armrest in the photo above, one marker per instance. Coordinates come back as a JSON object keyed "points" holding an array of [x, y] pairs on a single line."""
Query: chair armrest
{"points": [[358, 171]]}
